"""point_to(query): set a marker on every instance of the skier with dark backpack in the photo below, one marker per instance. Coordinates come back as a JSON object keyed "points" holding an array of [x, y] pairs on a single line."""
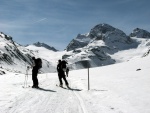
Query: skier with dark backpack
{"points": [[38, 62], [61, 68], [65, 68], [64, 65], [37, 65]]}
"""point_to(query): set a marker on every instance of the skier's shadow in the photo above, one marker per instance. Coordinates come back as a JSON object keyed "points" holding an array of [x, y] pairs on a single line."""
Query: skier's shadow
{"points": [[46, 90], [73, 89]]}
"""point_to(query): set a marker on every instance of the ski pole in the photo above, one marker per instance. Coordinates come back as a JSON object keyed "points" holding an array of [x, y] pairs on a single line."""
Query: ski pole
{"points": [[26, 77]]}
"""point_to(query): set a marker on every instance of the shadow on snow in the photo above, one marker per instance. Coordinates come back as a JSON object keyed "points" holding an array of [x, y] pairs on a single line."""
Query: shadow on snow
{"points": [[46, 90]]}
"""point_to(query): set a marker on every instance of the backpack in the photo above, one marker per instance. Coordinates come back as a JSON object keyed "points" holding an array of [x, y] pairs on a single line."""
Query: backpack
{"points": [[38, 63], [63, 65]]}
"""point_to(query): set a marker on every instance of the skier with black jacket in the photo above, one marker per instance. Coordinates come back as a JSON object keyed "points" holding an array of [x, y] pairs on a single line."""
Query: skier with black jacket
{"points": [[37, 65], [61, 73]]}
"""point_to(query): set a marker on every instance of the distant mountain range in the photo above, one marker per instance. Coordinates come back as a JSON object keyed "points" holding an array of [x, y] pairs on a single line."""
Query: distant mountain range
{"points": [[108, 34], [96, 47], [93, 49], [38, 44]]}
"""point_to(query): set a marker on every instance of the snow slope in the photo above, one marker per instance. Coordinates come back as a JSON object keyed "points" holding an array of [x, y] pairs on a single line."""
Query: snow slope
{"points": [[49, 55], [117, 88], [15, 57]]}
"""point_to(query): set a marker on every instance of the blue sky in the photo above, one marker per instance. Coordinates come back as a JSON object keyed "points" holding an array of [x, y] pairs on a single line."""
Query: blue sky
{"points": [[57, 22]]}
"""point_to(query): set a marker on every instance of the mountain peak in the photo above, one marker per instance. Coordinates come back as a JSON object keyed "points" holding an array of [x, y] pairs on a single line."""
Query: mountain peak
{"points": [[100, 29], [39, 44], [2, 35], [140, 33], [104, 32]]}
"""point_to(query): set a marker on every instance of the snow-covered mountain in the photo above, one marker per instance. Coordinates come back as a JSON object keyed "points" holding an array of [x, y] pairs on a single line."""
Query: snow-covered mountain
{"points": [[12, 55], [15, 57], [79, 42], [38, 44], [112, 37], [101, 44], [140, 33], [118, 88]]}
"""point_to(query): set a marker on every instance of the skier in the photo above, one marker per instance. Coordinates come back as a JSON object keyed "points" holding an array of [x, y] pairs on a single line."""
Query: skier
{"points": [[61, 73], [37, 65]]}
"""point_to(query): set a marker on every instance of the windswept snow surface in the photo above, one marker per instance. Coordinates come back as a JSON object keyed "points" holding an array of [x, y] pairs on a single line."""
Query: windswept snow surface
{"points": [[118, 88]]}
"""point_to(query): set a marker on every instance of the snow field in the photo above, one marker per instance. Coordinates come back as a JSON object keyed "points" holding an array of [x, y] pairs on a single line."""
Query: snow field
{"points": [[117, 88]]}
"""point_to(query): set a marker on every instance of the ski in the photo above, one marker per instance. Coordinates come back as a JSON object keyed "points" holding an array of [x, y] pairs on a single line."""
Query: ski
{"points": [[63, 87], [60, 86]]}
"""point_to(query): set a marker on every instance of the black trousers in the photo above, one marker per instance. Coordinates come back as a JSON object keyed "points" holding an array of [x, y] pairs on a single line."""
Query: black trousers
{"points": [[34, 76], [61, 75]]}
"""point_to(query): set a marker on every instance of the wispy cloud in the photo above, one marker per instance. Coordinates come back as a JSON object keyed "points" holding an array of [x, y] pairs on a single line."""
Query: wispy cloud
{"points": [[40, 20]]}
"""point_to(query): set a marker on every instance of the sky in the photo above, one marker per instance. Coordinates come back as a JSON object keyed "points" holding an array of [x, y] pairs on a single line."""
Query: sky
{"points": [[57, 22]]}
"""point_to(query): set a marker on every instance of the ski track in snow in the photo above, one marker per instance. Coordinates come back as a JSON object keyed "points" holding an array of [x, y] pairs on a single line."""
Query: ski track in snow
{"points": [[48, 99], [115, 92]]}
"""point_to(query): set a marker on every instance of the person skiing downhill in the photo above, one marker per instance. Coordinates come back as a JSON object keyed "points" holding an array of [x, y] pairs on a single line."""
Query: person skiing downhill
{"points": [[61, 73]]}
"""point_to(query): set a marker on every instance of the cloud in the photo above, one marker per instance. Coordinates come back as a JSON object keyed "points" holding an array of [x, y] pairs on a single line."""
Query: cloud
{"points": [[40, 20]]}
